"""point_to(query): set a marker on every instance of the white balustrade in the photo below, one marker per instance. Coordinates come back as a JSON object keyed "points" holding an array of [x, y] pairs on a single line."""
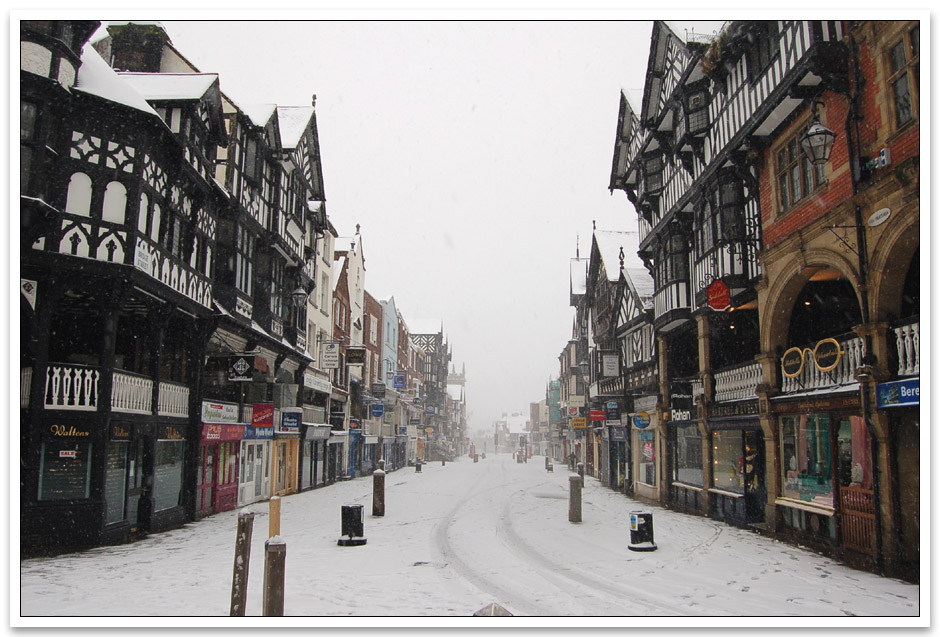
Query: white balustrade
{"points": [[739, 383], [908, 341], [26, 379], [73, 387], [173, 400], [131, 393]]}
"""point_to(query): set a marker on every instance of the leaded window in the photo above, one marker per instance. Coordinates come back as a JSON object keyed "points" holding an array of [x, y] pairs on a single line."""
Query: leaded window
{"points": [[797, 176], [904, 78], [244, 249]]}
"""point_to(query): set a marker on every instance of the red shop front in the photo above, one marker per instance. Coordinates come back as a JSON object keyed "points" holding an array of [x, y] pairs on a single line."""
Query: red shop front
{"points": [[217, 479]]}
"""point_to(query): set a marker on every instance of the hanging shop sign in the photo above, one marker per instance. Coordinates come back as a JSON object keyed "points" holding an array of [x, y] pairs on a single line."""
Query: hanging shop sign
{"points": [[574, 411], [214, 412], [680, 399], [262, 415], [378, 409], [28, 290], [610, 364], [399, 381], [378, 390], [355, 355], [414, 421], [329, 355], [403, 431], [353, 424], [579, 423], [719, 295], [290, 419], [826, 356], [597, 414], [899, 393], [429, 409], [641, 420], [612, 408], [618, 434], [240, 367], [576, 401]]}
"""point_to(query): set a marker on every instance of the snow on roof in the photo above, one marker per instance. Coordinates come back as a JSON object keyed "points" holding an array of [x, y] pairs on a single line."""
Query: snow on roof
{"points": [[425, 326], [338, 267], [578, 276], [609, 243], [259, 114], [171, 86], [643, 284], [293, 120], [95, 77]]}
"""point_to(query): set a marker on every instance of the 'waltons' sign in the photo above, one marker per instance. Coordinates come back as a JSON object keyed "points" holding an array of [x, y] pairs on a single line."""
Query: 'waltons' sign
{"points": [[826, 357]]}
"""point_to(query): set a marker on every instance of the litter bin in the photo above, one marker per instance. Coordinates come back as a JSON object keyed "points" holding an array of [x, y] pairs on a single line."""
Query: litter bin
{"points": [[352, 526], [641, 531]]}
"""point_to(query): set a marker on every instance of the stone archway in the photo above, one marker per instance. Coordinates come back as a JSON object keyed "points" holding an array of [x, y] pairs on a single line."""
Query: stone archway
{"points": [[894, 256]]}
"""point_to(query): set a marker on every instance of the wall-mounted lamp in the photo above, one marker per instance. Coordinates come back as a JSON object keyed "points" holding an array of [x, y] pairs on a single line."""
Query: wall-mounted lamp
{"points": [[817, 140], [299, 296]]}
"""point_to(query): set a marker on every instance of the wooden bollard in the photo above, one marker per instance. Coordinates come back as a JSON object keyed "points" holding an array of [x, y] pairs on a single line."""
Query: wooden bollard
{"points": [[246, 522], [274, 516], [581, 472], [574, 499], [378, 490], [275, 552]]}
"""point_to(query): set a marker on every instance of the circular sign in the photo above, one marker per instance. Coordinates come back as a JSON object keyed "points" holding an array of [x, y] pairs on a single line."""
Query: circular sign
{"points": [[827, 354], [879, 217], [429, 430], [792, 362], [641, 420]]}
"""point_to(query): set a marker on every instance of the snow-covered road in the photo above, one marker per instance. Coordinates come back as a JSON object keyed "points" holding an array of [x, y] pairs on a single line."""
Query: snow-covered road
{"points": [[455, 538]]}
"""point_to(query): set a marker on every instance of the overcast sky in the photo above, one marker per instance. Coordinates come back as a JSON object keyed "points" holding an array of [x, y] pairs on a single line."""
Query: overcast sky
{"points": [[474, 155]]}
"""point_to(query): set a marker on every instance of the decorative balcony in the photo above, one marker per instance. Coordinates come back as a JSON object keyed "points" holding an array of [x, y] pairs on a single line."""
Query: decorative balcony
{"points": [[811, 379], [738, 383], [73, 387], [908, 347]]}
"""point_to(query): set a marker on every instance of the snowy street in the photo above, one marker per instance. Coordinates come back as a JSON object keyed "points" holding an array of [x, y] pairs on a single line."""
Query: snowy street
{"points": [[454, 539]]}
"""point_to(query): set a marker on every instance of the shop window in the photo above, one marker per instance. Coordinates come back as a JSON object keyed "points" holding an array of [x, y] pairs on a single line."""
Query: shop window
{"points": [[728, 461], [687, 467], [904, 76], [797, 176], [115, 481], [855, 465], [646, 472], [64, 470], [168, 474], [806, 455]]}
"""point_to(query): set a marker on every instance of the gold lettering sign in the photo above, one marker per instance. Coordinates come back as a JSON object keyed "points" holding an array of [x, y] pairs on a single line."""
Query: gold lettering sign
{"points": [[792, 362], [67, 431], [172, 433], [118, 431], [827, 354]]}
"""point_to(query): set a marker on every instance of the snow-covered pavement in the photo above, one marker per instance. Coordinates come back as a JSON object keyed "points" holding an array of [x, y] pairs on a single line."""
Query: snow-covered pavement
{"points": [[456, 538]]}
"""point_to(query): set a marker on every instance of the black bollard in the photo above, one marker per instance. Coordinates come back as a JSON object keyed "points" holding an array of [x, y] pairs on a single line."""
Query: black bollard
{"points": [[246, 521], [378, 490], [275, 552], [574, 499]]}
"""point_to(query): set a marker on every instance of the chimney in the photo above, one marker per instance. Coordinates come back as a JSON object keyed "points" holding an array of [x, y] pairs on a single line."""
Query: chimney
{"points": [[137, 47]]}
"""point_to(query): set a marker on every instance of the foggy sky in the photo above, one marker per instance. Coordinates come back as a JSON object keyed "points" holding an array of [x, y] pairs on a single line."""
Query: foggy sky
{"points": [[473, 154]]}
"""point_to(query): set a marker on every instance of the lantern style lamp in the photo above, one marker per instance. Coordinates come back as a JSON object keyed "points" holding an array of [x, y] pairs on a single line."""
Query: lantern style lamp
{"points": [[299, 296], [817, 140]]}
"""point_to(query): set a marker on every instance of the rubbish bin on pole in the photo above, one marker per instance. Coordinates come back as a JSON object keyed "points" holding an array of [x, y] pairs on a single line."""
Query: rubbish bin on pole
{"points": [[352, 526], [641, 531]]}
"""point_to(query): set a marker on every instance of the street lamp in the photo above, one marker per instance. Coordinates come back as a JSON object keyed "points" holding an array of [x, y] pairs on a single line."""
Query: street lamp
{"points": [[817, 140], [299, 296]]}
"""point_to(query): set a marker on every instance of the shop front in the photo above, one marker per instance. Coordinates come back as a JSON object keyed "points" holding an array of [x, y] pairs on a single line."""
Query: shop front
{"points": [[335, 454], [286, 457], [370, 455], [254, 466], [620, 459], [645, 443], [687, 466], [169, 455], [827, 496], [738, 492], [314, 456], [217, 468]]}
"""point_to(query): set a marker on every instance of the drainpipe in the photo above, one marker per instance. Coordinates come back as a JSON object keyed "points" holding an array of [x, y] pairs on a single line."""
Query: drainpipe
{"points": [[855, 158]]}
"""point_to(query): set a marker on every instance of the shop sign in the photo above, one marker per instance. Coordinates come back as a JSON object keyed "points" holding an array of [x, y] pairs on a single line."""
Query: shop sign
{"points": [[378, 390], [641, 420], [329, 355], [579, 423], [610, 364], [355, 355], [573, 411], [259, 433], [378, 409], [219, 412], [389, 418], [399, 381], [618, 434], [429, 409], [734, 410], [680, 399], [353, 423], [65, 453], [826, 356], [314, 382], [28, 290], [262, 414], [719, 295], [290, 419], [170, 433], [597, 415], [240, 368], [120, 432], [613, 410], [414, 421], [900, 393], [222, 433], [576, 401], [429, 430], [403, 431]]}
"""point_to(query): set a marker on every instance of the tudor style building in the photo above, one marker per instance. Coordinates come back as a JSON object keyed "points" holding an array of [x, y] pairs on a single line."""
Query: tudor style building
{"points": [[784, 302]]}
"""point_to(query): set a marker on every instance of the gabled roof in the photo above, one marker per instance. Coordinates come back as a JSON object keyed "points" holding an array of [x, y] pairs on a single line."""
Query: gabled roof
{"points": [[641, 282], [259, 114], [609, 244], [293, 121]]}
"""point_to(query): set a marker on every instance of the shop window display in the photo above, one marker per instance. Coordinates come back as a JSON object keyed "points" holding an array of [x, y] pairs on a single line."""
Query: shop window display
{"points": [[168, 474], [115, 481], [64, 470], [688, 457], [647, 468], [807, 458], [728, 461]]}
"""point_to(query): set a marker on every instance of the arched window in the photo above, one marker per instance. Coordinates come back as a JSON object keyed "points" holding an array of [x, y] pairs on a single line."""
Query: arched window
{"points": [[143, 213], [155, 223], [114, 208], [78, 200]]}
